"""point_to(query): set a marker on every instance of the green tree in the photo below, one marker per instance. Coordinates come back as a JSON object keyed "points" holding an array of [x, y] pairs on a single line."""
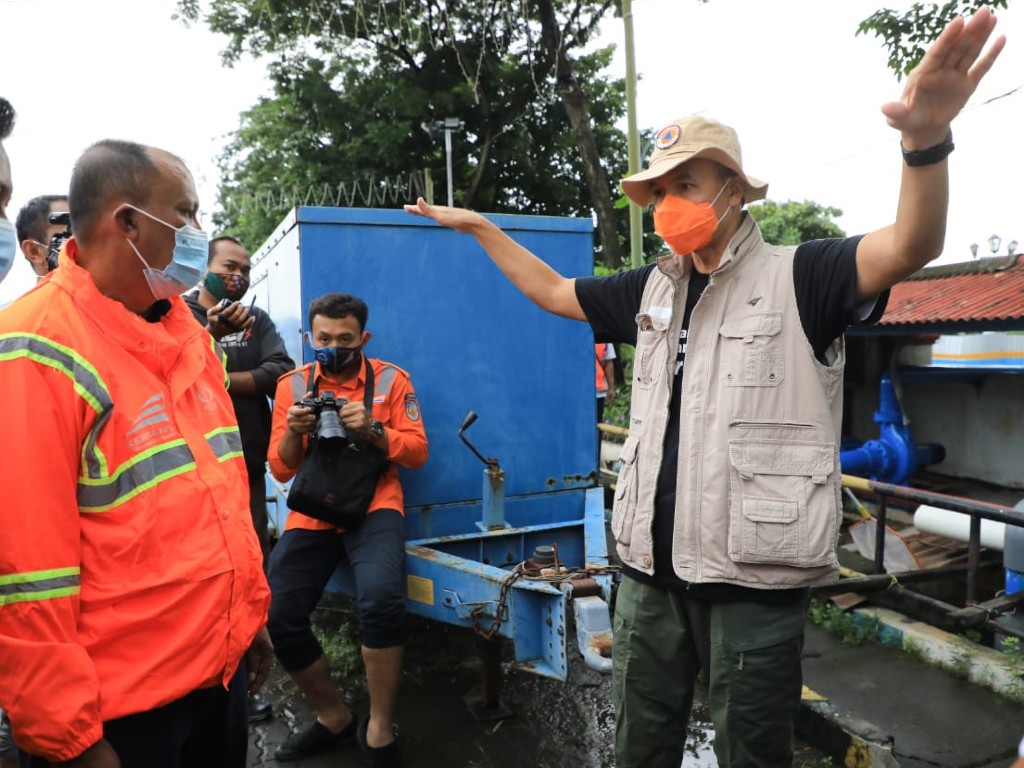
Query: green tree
{"points": [[792, 223], [907, 35], [358, 78]]}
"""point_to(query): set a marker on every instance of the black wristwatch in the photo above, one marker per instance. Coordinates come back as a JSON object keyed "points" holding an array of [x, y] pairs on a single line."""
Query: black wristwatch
{"points": [[376, 428]]}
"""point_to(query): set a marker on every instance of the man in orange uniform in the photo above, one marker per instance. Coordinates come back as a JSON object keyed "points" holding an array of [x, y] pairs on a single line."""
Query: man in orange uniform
{"points": [[309, 550], [131, 584]]}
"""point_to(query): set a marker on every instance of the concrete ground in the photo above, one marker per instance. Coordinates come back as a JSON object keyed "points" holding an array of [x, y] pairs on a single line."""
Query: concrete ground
{"points": [[882, 706]]}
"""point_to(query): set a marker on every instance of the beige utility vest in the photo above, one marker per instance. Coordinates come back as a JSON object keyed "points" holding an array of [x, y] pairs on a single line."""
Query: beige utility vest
{"points": [[758, 483]]}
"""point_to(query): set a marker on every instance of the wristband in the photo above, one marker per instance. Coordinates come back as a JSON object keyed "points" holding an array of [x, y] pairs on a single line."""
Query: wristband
{"points": [[918, 157]]}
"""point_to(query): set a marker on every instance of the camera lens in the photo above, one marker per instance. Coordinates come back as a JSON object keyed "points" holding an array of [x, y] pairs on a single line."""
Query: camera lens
{"points": [[329, 426]]}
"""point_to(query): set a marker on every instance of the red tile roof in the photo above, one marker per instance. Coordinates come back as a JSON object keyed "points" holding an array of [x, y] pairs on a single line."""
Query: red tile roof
{"points": [[986, 289]]}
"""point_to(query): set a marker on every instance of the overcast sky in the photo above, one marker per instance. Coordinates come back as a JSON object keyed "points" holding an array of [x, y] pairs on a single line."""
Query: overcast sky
{"points": [[806, 107]]}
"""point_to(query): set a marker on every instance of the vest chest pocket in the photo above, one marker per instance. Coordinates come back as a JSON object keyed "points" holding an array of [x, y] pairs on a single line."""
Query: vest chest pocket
{"points": [[624, 506], [783, 501], [651, 351], [752, 353]]}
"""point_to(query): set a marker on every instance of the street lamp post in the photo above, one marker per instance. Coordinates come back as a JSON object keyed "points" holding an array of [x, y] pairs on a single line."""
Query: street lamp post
{"points": [[448, 126]]}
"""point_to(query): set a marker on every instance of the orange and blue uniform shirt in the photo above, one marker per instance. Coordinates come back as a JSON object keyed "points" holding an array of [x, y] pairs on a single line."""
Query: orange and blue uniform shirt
{"points": [[394, 405]]}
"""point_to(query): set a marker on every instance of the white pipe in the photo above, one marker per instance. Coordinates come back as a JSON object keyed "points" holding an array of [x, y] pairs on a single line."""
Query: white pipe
{"points": [[955, 525]]}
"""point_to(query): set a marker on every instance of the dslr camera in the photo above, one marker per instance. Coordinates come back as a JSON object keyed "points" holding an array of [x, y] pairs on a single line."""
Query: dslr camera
{"points": [[328, 422], [57, 241]]}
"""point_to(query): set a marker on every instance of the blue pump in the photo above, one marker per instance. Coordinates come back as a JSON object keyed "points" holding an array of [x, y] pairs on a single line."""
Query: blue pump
{"points": [[893, 457]]}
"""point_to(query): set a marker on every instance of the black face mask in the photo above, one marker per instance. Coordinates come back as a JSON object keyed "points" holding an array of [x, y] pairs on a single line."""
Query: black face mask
{"points": [[334, 360]]}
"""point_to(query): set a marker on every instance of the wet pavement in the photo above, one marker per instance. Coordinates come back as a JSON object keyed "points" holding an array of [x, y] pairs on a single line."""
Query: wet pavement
{"points": [[556, 725], [933, 718]]}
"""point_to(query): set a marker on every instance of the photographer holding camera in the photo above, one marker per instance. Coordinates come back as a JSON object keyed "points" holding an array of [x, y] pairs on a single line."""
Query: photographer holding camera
{"points": [[43, 222], [322, 410]]}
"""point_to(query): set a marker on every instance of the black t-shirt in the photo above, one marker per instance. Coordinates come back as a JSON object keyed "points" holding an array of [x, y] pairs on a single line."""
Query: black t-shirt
{"points": [[825, 282], [259, 350]]}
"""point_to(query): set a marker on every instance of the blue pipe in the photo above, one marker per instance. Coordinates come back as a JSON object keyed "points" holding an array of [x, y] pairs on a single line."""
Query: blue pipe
{"points": [[893, 457]]}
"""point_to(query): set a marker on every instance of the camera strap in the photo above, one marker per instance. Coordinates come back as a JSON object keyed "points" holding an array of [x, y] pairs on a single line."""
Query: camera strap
{"points": [[313, 384]]}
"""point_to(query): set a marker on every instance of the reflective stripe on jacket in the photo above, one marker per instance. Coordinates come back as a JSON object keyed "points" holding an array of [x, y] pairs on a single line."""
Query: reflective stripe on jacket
{"points": [[130, 573], [394, 405], [757, 494]]}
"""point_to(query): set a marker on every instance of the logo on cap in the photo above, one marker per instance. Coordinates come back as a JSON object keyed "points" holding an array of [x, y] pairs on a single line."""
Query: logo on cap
{"points": [[667, 136]]}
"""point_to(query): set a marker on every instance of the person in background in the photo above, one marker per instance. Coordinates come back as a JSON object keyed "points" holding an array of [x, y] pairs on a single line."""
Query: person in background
{"points": [[35, 230], [256, 358], [727, 506], [604, 371], [310, 550], [8, 248]]}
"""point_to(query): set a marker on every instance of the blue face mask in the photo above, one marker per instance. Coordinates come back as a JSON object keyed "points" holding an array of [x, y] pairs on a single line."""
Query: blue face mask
{"points": [[336, 359], [8, 247], [191, 248]]}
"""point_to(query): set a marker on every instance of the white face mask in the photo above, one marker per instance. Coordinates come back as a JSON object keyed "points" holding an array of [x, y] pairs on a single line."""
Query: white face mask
{"points": [[191, 249], [8, 247]]}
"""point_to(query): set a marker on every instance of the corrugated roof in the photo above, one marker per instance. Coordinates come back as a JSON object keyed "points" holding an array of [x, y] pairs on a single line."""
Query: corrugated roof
{"points": [[986, 289]]}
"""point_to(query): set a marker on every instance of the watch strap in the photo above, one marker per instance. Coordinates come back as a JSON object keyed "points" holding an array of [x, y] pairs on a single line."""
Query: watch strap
{"points": [[918, 157]]}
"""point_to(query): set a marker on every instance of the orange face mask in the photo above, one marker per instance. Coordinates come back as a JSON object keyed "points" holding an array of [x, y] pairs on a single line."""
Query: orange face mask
{"points": [[686, 226]]}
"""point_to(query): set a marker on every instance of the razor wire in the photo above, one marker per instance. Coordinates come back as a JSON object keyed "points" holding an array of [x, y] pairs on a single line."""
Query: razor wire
{"points": [[357, 193]]}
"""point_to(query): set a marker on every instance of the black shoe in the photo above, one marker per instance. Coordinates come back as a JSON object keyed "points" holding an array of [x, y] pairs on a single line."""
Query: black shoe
{"points": [[387, 756], [316, 738], [259, 710]]}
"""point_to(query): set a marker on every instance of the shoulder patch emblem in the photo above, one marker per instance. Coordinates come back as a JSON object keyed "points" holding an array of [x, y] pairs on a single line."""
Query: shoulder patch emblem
{"points": [[667, 136], [412, 407]]}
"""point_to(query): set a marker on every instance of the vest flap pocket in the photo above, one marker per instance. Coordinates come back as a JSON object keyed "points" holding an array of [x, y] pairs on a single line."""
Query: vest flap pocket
{"points": [[753, 352], [752, 456], [626, 489], [760, 510], [629, 448], [784, 505], [749, 326]]}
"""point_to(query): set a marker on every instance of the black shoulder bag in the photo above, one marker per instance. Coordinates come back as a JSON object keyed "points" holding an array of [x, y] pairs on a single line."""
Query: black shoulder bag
{"points": [[338, 477]]}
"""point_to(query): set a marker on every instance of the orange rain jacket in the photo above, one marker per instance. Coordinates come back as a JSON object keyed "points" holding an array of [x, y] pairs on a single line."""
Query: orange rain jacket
{"points": [[130, 573], [394, 405], [600, 378]]}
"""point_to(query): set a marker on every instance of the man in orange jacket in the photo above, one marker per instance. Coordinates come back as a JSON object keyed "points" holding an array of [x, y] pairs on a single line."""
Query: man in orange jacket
{"points": [[309, 550], [131, 586]]}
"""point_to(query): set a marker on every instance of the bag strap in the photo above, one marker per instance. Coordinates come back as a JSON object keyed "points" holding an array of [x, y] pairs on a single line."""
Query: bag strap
{"points": [[313, 384]]}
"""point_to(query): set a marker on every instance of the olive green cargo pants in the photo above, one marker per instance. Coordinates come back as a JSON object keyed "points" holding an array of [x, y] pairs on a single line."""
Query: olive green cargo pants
{"points": [[750, 653]]}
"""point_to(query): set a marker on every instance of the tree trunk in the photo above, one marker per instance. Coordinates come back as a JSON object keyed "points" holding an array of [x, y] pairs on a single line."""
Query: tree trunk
{"points": [[577, 109]]}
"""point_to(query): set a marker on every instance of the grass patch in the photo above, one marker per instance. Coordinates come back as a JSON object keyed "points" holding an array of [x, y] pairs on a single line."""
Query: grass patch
{"points": [[850, 629]]}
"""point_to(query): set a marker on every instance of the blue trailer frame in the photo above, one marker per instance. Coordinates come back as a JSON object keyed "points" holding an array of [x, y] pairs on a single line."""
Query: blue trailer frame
{"points": [[442, 311]]}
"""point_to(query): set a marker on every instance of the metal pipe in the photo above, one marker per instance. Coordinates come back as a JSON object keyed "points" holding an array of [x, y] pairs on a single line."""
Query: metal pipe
{"points": [[880, 537], [973, 557], [982, 509], [448, 160], [636, 254]]}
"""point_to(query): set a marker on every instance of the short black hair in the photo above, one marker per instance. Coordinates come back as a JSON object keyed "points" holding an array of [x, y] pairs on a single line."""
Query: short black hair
{"points": [[338, 305], [7, 118], [107, 168], [219, 239], [34, 218]]}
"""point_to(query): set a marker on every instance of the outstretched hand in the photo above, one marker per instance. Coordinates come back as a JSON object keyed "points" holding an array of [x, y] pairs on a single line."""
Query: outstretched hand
{"points": [[459, 219], [940, 85]]}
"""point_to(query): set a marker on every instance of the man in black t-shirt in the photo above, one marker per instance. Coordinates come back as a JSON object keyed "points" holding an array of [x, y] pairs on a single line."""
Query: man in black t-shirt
{"points": [[256, 359], [716, 576]]}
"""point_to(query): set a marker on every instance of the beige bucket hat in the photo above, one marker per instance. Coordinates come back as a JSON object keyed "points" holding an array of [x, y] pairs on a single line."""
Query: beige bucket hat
{"points": [[685, 139]]}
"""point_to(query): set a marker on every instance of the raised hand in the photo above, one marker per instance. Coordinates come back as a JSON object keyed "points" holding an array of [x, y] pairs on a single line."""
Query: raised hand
{"points": [[940, 85]]}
